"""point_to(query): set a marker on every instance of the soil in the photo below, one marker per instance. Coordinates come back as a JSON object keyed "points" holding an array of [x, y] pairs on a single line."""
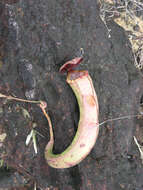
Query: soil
{"points": [[36, 38]]}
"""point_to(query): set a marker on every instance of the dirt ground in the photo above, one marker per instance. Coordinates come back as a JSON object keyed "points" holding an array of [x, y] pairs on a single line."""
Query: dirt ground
{"points": [[36, 38]]}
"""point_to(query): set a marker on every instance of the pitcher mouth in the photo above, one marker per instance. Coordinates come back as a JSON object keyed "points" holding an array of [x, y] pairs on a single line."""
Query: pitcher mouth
{"points": [[74, 75]]}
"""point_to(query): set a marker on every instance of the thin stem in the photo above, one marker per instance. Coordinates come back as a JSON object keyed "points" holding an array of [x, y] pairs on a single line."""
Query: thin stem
{"points": [[19, 99], [119, 118]]}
